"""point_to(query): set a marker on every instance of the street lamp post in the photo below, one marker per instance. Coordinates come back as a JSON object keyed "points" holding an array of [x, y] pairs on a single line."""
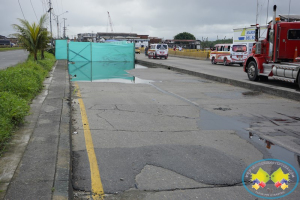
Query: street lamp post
{"points": [[57, 22], [65, 27]]}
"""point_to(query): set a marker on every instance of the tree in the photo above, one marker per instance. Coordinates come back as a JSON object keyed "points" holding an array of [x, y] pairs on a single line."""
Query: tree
{"points": [[34, 37], [184, 36]]}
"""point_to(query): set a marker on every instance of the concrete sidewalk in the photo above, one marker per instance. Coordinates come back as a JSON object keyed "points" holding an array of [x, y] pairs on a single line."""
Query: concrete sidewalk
{"points": [[37, 164]]}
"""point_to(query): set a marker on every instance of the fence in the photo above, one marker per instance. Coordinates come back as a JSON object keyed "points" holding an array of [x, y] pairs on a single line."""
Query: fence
{"points": [[94, 52], [196, 53]]}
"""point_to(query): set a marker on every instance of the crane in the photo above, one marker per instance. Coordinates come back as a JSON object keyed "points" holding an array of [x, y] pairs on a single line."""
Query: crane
{"points": [[110, 23]]}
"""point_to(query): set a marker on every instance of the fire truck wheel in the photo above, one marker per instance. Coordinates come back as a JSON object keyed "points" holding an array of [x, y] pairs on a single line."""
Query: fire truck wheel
{"points": [[213, 61], [252, 71]]}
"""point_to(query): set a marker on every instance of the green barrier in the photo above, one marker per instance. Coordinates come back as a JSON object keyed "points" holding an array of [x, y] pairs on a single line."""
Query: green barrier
{"points": [[120, 51], [61, 49], [97, 71], [80, 51]]}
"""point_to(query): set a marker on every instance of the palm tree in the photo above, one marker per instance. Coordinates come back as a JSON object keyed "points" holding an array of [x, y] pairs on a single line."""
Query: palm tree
{"points": [[34, 37]]}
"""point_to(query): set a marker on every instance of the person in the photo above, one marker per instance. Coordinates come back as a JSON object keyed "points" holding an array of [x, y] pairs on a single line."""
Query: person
{"points": [[146, 51], [180, 48], [174, 48]]}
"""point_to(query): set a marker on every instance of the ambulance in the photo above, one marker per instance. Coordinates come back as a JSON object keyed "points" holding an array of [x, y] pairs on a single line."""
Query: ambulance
{"points": [[229, 54], [158, 51]]}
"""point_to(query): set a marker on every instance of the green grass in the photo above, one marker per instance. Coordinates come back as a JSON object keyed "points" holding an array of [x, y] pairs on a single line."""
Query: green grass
{"points": [[18, 86], [10, 48]]}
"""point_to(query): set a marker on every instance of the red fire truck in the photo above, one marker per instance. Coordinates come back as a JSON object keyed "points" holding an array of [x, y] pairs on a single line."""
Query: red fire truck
{"points": [[277, 55]]}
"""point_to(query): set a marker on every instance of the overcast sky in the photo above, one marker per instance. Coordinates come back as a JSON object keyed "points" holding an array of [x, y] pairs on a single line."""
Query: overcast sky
{"points": [[156, 18]]}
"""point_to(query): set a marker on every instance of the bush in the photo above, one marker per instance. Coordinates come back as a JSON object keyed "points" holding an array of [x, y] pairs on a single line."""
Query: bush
{"points": [[26, 79], [18, 86], [13, 109]]}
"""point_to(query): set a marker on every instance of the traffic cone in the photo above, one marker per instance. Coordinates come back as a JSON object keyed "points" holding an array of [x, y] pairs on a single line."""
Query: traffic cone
{"points": [[296, 54]]}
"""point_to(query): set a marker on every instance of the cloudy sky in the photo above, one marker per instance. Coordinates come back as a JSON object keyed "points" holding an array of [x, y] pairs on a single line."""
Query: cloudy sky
{"points": [[157, 18]]}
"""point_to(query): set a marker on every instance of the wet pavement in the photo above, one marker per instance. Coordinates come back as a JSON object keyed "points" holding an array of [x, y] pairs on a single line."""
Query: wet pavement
{"points": [[175, 136]]}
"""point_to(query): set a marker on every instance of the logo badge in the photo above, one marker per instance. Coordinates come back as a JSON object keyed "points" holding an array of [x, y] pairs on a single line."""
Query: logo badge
{"points": [[270, 179]]}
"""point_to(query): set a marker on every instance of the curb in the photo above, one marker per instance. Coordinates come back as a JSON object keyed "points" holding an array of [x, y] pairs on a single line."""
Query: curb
{"points": [[63, 185], [256, 86]]}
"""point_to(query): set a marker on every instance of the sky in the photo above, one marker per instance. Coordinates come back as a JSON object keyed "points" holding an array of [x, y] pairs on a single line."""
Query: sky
{"points": [[209, 19]]}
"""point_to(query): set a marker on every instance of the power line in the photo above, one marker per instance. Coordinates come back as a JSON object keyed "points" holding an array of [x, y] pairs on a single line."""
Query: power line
{"points": [[21, 9], [34, 11], [58, 7]]}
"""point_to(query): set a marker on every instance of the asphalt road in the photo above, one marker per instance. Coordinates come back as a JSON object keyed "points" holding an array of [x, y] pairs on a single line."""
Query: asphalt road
{"points": [[11, 58], [168, 135]]}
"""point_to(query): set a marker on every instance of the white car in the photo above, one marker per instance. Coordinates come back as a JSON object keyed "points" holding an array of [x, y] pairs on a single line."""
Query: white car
{"points": [[158, 51]]}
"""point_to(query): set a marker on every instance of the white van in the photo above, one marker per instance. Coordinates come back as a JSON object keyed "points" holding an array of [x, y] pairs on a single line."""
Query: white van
{"points": [[229, 54], [158, 51]]}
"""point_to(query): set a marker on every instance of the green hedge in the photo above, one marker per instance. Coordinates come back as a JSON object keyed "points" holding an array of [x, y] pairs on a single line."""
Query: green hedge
{"points": [[18, 86]]}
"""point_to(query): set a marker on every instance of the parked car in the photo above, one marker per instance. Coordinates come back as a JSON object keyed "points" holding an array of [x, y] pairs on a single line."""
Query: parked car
{"points": [[137, 50]]}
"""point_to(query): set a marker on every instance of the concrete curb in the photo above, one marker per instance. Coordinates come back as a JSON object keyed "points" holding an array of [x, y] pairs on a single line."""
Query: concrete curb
{"points": [[256, 86], [63, 185]]}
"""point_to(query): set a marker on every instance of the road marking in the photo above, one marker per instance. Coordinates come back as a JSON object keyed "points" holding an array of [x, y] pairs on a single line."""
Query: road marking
{"points": [[97, 188]]}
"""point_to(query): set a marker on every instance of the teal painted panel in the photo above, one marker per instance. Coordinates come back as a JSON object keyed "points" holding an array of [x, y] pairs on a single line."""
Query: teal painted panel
{"points": [[97, 71], [80, 51], [112, 52], [61, 49]]}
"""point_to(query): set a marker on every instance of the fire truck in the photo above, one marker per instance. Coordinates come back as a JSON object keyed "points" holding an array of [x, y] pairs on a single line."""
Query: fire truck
{"points": [[277, 55]]}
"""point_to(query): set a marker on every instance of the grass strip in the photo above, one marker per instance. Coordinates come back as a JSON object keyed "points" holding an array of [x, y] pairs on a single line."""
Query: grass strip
{"points": [[10, 48], [18, 86]]}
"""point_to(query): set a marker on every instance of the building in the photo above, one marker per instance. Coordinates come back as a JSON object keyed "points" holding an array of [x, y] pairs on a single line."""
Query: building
{"points": [[139, 40], [86, 37], [187, 44]]}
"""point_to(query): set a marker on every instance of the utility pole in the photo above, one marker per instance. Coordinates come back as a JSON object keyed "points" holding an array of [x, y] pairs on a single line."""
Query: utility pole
{"points": [[57, 21], [49, 11], [57, 28], [65, 27]]}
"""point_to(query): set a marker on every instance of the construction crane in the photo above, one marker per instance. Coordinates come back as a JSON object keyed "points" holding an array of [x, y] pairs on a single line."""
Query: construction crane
{"points": [[110, 23]]}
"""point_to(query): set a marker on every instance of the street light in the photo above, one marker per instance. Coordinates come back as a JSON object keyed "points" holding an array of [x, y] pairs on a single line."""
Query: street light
{"points": [[58, 22]]}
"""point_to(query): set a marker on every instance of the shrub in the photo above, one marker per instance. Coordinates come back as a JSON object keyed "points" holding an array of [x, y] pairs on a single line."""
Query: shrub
{"points": [[13, 109], [18, 86]]}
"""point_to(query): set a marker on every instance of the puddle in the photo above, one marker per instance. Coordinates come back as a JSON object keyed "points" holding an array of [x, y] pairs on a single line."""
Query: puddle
{"points": [[212, 121], [105, 72]]}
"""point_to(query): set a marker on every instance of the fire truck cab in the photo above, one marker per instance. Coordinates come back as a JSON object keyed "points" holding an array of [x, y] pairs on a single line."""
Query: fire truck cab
{"points": [[277, 55]]}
